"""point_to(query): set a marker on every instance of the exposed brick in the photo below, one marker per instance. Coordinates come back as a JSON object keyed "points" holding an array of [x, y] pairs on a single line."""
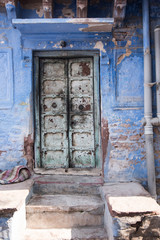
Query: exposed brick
{"points": [[122, 138], [135, 137], [125, 125]]}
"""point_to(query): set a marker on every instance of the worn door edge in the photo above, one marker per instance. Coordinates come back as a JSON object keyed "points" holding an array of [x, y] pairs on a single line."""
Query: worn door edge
{"points": [[36, 94]]}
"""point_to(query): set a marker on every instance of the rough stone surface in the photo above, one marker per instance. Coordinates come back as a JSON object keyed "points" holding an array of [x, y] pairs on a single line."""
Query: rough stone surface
{"points": [[143, 227], [57, 184], [12, 209], [13, 196], [130, 212], [124, 189], [69, 171], [65, 203], [66, 234], [58, 211], [129, 198], [123, 206]]}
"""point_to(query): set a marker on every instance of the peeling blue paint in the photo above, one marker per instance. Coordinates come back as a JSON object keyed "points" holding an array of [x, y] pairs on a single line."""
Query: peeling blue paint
{"points": [[121, 83]]}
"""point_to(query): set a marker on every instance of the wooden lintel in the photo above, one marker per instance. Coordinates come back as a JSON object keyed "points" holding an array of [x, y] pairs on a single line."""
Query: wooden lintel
{"points": [[82, 8], [47, 8], [119, 10]]}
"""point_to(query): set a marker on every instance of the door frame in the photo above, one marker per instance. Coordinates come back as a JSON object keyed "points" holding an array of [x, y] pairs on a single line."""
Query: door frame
{"points": [[36, 96]]}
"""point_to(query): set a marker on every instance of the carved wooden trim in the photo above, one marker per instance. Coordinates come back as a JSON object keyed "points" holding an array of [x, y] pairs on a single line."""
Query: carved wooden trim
{"points": [[47, 8], [119, 10], [82, 8]]}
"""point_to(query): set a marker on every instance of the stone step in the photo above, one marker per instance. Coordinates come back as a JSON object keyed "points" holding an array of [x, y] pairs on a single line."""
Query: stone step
{"points": [[63, 184], [64, 211], [92, 233]]}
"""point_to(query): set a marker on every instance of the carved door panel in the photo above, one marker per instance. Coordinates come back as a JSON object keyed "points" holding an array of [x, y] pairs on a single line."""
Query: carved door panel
{"points": [[54, 127], [67, 113], [81, 127]]}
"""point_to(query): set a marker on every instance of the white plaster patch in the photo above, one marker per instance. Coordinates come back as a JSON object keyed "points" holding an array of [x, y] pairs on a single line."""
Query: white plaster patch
{"points": [[99, 45], [57, 45]]}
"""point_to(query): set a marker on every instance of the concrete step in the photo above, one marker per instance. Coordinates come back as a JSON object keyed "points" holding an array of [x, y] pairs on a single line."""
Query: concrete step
{"points": [[64, 211], [63, 184], [96, 233]]}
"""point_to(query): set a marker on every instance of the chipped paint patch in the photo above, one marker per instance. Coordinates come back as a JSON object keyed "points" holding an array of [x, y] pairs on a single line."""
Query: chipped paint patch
{"points": [[102, 27], [127, 54], [99, 45], [40, 12], [23, 104], [2, 152], [114, 41], [57, 45], [147, 51]]}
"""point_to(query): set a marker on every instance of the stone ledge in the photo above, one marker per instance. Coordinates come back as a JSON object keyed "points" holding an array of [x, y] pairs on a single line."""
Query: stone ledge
{"points": [[69, 171], [13, 199], [130, 212], [125, 199], [13, 196]]}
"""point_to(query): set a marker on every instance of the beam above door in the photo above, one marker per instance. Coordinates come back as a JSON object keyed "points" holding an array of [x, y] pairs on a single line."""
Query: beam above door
{"points": [[63, 25]]}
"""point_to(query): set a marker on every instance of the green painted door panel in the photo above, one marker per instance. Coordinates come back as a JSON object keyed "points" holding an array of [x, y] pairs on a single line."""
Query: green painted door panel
{"points": [[67, 137], [53, 101], [81, 127]]}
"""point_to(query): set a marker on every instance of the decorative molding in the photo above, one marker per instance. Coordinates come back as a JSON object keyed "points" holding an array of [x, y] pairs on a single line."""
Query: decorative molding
{"points": [[6, 79], [47, 8], [82, 8], [119, 11]]}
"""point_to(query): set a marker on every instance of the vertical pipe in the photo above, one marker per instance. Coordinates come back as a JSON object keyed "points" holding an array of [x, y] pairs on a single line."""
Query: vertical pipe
{"points": [[157, 58], [148, 129]]}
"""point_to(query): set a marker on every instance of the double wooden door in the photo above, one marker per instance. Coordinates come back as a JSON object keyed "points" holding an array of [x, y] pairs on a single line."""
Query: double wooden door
{"points": [[67, 118]]}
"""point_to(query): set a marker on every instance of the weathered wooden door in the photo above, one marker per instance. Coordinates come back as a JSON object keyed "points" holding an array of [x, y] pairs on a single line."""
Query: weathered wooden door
{"points": [[67, 124]]}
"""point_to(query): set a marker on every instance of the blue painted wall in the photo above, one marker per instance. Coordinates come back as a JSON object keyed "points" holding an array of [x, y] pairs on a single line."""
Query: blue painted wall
{"points": [[121, 82]]}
